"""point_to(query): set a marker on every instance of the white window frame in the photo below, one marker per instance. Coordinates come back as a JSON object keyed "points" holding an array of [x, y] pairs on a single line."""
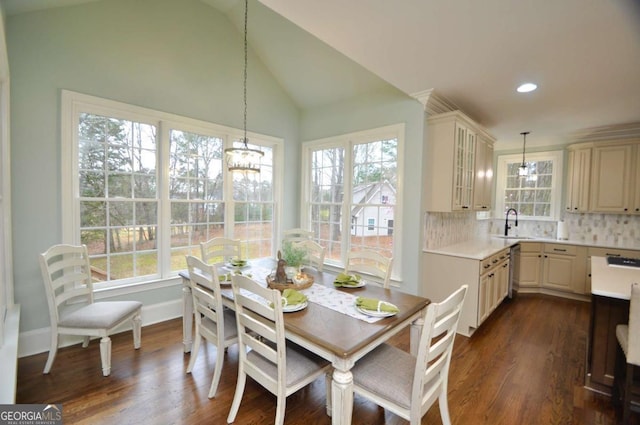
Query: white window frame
{"points": [[556, 185], [73, 103], [347, 141]]}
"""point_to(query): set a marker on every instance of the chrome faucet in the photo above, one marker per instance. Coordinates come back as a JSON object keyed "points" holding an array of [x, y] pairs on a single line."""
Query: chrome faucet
{"points": [[506, 221]]}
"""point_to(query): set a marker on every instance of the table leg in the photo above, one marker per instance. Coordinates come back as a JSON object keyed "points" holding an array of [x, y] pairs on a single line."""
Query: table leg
{"points": [[416, 330], [187, 316], [342, 397]]}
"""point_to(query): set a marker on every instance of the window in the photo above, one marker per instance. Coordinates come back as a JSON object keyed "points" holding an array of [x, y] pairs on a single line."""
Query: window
{"points": [[535, 196], [351, 182], [151, 186]]}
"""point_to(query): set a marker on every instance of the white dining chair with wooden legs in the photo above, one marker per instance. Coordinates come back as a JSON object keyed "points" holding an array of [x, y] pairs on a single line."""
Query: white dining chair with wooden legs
{"points": [[370, 262], [219, 250], [628, 359], [407, 385], [315, 253], [66, 272], [264, 355], [214, 323]]}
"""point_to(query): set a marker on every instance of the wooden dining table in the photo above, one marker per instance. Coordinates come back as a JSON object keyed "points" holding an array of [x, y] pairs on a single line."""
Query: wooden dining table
{"points": [[337, 337]]}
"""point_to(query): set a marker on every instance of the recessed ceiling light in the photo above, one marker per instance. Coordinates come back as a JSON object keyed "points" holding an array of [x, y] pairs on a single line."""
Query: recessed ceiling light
{"points": [[527, 87]]}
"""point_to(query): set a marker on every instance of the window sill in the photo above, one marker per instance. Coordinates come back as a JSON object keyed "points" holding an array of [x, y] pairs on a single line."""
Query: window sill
{"points": [[132, 288]]}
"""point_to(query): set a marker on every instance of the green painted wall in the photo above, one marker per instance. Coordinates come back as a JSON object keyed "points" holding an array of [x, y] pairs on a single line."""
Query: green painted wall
{"points": [[384, 107], [182, 57]]}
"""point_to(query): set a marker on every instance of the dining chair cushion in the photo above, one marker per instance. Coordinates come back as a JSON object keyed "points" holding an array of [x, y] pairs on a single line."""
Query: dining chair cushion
{"points": [[622, 333], [300, 364], [388, 372], [99, 315], [230, 327]]}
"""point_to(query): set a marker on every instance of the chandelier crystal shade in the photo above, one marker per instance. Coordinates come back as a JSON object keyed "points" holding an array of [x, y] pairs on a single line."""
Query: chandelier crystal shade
{"points": [[523, 170], [240, 157]]}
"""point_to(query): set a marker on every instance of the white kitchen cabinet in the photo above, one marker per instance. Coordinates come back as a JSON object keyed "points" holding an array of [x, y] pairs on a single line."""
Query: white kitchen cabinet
{"points": [[551, 266], [483, 174], [564, 268], [450, 165], [488, 281], [611, 178], [578, 178], [529, 259], [636, 196]]}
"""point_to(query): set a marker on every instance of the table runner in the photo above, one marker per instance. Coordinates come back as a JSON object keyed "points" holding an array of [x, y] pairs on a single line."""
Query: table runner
{"points": [[331, 298]]}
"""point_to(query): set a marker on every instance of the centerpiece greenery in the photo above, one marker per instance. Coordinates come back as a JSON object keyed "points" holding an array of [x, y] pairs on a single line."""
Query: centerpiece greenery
{"points": [[293, 255]]}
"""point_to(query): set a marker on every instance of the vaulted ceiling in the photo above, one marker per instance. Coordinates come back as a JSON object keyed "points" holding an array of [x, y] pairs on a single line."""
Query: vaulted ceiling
{"points": [[583, 54]]}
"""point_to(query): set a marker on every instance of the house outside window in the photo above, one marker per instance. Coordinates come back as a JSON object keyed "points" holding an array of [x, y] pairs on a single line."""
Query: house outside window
{"points": [[352, 182], [143, 188], [536, 195]]}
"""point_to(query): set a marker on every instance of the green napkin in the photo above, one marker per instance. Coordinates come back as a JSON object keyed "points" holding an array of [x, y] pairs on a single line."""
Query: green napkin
{"points": [[344, 279], [372, 304], [292, 297], [236, 262]]}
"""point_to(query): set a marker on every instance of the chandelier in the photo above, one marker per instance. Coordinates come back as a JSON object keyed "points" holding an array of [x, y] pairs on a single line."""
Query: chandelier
{"points": [[523, 170], [240, 157]]}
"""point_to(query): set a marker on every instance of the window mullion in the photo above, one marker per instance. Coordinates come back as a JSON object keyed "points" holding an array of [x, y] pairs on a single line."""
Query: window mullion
{"points": [[347, 198], [164, 205]]}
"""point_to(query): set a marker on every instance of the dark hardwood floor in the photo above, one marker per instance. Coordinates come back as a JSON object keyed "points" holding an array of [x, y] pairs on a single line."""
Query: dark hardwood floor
{"points": [[525, 365]]}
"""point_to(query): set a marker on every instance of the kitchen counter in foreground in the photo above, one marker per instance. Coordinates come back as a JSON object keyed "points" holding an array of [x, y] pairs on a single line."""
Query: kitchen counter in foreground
{"points": [[611, 291], [483, 247], [612, 281]]}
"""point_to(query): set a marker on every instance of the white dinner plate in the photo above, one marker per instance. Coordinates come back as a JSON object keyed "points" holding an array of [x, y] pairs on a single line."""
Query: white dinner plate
{"points": [[359, 285], [374, 313], [234, 267], [295, 307]]}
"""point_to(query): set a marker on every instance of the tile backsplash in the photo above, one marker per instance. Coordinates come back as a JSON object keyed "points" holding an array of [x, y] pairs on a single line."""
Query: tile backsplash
{"points": [[442, 229]]}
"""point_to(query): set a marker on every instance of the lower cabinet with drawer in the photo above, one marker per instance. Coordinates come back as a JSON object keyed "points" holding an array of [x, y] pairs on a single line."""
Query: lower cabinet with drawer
{"points": [[565, 268], [553, 268], [488, 281]]}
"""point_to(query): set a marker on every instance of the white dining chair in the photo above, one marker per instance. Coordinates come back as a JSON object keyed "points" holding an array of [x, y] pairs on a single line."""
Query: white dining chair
{"points": [[315, 253], [407, 385], [296, 235], [219, 250], [280, 368], [628, 358], [214, 323], [371, 263], [66, 272]]}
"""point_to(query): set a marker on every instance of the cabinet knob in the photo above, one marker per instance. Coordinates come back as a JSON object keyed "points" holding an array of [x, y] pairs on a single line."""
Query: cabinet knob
{"points": [[546, 256], [626, 209], [575, 208]]}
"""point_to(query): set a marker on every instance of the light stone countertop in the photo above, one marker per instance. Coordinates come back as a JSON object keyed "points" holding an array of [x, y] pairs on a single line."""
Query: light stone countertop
{"points": [[612, 281], [481, 248]]}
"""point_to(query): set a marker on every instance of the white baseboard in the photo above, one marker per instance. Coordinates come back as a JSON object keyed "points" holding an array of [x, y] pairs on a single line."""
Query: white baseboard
{"points": [[9, 355], [37, 341]]}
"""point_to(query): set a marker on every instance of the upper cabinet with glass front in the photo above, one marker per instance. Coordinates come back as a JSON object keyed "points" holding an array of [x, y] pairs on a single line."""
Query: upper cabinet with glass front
{"points": [[450, 162]]}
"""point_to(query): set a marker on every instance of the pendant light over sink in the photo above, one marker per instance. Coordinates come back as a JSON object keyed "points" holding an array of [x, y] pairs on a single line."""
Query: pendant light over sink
{"points": [[240, 157], [523, 170]]}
